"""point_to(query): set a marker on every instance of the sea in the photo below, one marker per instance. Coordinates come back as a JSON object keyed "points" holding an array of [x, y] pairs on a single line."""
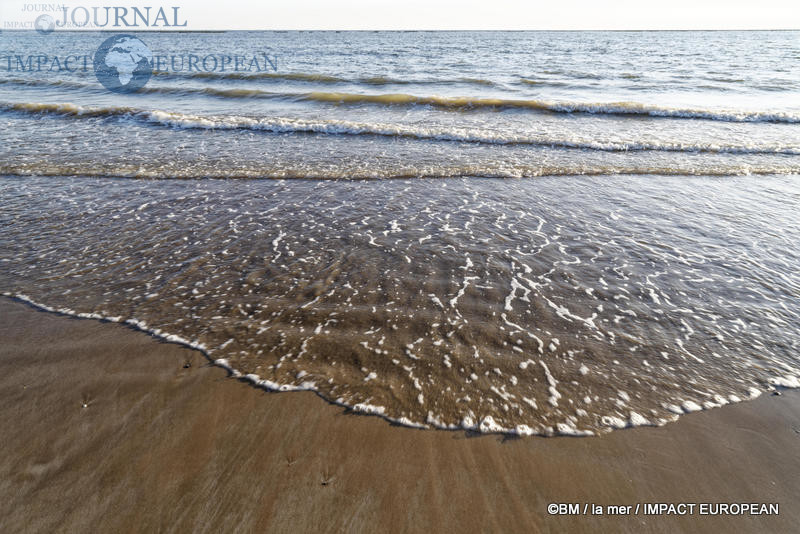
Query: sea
{"points": [[550, 233]]}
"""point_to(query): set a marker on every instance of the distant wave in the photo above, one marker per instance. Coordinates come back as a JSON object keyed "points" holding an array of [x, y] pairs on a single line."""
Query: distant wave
{"points": [[342, 127], [290, 76], [610, 108], [634, 109], [321, 78], [550, 83], [34, 82]]}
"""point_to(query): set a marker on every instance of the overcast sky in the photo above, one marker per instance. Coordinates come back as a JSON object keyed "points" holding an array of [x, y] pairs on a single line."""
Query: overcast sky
{"points": [[460, 14]]}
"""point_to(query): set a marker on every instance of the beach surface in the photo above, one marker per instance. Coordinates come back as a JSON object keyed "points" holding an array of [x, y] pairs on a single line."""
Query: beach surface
{"points": [[106, 429]]}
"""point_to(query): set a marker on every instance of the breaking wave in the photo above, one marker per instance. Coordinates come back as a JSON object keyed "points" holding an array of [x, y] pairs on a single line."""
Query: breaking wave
{"points": [[343, 127]]}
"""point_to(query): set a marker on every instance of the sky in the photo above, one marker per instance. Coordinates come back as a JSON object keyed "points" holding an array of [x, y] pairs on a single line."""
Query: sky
{"points": [[452, 14]]}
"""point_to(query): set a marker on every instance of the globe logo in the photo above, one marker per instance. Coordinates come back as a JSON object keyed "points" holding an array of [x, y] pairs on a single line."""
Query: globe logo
{"points": [[123, 64], [44, 24]]}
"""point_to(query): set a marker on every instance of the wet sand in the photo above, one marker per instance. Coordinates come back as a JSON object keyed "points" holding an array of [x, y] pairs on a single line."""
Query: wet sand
{"points": [[105, 429]]}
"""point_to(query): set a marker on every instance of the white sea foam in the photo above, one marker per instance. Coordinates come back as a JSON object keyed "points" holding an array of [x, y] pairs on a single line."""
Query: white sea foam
{"points": [[786, 382]]}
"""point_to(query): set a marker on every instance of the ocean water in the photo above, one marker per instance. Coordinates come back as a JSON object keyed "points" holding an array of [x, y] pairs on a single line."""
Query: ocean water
{"points": [[528, 232]]}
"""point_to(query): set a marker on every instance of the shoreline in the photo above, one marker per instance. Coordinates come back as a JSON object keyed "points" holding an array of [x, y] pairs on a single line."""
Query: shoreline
{"points": [[486, 426], [110, 430]]}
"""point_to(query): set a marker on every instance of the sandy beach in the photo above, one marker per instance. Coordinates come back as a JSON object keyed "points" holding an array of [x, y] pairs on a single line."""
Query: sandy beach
{"points": [[106, 429], [433, 276]]}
